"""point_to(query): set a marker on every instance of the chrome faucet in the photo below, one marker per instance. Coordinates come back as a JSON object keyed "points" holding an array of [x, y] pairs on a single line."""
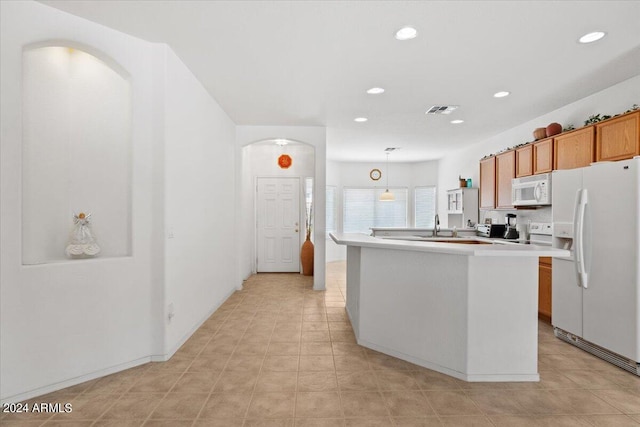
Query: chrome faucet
{"points": [[436, 225]]}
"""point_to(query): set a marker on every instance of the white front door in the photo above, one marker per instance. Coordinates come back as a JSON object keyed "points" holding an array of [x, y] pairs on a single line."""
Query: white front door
{"points": [[278, 225]]}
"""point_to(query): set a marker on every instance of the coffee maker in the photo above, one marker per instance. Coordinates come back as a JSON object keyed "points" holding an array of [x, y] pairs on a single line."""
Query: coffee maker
{"points": [[510, 222]]}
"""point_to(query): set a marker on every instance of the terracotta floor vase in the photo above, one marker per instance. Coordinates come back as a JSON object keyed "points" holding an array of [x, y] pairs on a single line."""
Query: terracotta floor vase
{"points": [[306, 256]]}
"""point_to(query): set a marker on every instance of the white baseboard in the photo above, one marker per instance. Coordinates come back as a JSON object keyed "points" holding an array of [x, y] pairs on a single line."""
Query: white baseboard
{"points": [[443, 370], [116, 368], [186, 336], [75, 381]]}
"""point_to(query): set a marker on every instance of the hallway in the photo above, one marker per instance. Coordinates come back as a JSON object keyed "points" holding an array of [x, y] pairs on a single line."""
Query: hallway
{"points": [[278, 353]]}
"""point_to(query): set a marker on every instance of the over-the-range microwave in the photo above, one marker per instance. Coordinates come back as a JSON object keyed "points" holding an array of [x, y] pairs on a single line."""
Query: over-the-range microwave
{"points": [[534, 190]]}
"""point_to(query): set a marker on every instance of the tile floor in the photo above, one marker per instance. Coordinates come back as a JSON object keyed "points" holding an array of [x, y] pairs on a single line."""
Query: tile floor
{"points": [[280, 354]]}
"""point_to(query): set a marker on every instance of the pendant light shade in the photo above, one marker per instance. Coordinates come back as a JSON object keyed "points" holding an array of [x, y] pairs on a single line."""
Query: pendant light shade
{"points": [[387, 196]]}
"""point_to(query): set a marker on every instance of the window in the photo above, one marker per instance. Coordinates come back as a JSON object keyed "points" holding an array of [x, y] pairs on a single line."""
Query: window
{"points": [[363, 209], [425, 205], [332, 209], [308, 203]]}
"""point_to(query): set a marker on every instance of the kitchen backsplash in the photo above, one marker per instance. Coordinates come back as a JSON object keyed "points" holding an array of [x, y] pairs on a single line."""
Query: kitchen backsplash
{"points": [[524, 215]]}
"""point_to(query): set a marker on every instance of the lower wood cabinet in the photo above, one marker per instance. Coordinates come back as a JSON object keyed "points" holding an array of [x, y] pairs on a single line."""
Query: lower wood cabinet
{"points": [[544, 288]]}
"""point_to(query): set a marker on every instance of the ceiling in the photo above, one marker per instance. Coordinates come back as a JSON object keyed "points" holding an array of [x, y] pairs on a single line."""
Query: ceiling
{"points": [[309, 63]]}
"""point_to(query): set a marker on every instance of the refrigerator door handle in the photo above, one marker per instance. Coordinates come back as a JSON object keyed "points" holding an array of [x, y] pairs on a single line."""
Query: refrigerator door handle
{"points": [[577, 236], [584, 200]]}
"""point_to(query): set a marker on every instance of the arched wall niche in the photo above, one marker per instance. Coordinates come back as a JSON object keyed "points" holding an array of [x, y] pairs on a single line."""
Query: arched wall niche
{"points": [[76, 149]]}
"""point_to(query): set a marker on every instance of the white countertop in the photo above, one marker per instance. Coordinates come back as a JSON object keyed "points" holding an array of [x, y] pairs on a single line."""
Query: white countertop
{"points": [[509, 249]]}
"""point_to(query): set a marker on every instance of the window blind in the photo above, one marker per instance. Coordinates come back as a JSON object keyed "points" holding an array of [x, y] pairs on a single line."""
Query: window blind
{"points": [[363, 209], [425, 206], [332, 209]]}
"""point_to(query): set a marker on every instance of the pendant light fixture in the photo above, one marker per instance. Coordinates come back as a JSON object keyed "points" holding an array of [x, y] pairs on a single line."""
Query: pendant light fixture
{"points": [[387, 196]]}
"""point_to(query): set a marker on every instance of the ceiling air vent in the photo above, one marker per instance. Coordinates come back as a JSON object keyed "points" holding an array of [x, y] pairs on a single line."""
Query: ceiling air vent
{"points": [[390, 149], [442, 109]]}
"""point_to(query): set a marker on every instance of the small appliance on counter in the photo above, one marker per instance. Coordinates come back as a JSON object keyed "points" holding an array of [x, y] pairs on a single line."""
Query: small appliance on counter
{"points": [[510, 232], [491, 230]]}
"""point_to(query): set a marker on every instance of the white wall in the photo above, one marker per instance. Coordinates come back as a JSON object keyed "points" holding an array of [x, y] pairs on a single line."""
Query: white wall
{"points": [[199, 202], [66, 322], [247, 135], [264, 160], [613, 100], [356, 174], [85, 317]]}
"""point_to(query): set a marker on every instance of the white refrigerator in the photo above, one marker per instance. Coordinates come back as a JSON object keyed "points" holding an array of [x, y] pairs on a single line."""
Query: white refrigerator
{"points": [[596, 292]]}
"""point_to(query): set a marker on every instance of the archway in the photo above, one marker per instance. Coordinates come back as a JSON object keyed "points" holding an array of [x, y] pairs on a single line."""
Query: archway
{"points": [[257, 155]]}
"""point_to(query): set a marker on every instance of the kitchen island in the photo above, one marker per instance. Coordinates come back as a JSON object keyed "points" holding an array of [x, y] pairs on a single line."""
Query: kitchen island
{"points": [[468, 310]]}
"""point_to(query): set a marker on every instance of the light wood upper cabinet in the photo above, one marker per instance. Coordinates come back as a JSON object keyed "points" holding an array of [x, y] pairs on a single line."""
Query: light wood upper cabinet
{"points": [[505, 172], [488, 183], [613, 139], [543, 156], [524, 161], [618, 138], [574, 149]]}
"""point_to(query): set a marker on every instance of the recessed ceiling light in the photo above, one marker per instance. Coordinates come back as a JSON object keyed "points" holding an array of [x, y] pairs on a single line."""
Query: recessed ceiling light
{"points": [[592, 37], [375, 91], [360, 119], [501, 94], [457, 121], [406, 33]]}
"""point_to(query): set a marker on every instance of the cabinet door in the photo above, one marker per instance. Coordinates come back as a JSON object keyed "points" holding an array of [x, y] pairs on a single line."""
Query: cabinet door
{"points": [[543, 156], [618, 138], [488, 183], [505, 172], [574, 149], [524, 161], [544, 288], [454, 199]]}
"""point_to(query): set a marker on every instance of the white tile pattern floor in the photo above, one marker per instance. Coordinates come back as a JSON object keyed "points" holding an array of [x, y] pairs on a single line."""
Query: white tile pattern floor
{"points": [[278, 353]]}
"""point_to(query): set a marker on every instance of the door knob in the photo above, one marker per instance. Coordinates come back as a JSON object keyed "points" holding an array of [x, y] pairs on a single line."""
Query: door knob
{"points": [[296, 230]]}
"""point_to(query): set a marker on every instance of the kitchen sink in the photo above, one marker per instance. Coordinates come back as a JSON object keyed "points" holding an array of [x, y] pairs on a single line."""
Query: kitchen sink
{"points": [[445, 235], [466, 240], [462, 240]]}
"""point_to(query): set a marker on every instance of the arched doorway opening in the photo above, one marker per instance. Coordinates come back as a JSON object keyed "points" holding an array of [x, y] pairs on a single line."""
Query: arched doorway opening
{"points": [[258, 159]]}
